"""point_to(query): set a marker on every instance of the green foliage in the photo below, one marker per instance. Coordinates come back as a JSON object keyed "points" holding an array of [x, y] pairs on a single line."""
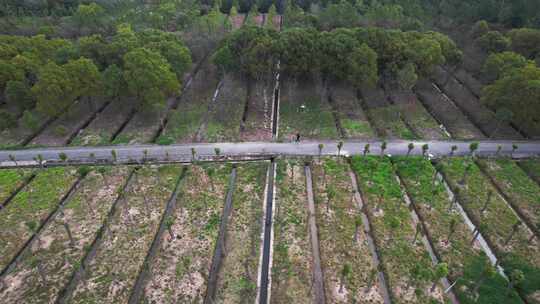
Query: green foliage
{"points": [[493, 41], [90, 15], [526, 42], [30, 121], [7, 120], [18, 93], [498, 65], [519, 90], [149, 76], [54, 91]]}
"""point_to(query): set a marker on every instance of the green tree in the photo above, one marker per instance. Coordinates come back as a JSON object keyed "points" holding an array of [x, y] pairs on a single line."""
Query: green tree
{"points": [[362, 63], [89, 15], [406, 77], [18, 93], [114, 82], [86, 78], [54, 90], [149, 77], [441, 271], [498, 65], [493, 41]]}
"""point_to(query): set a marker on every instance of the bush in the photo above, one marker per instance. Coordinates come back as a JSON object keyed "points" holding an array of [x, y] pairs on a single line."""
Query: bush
{"points": [[83, 171]]}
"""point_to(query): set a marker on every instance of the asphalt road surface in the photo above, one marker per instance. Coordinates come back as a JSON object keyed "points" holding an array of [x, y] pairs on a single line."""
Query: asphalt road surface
{"points": [[257, 150]]}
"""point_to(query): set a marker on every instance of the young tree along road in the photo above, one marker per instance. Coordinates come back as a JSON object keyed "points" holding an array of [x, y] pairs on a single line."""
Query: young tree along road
{"points": [[258, 150]]}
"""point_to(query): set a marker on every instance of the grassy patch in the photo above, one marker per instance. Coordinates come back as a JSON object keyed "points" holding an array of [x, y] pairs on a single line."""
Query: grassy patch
{"points": [[83, 214], [389, 122], [238, 275], [10, 180], [405, 261], [22, 217], [449, 234], [291, 267]]}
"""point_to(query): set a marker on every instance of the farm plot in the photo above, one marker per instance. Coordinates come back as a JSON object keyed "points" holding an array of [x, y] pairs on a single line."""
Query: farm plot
{"points": [[185, 121], [405, 261], [181, 266], [15, 136], [256, 124], [237, 278], [101, 130], [438, 104], [416, 116], [60, 131], [450, 236], [304, 110], [532, 168], [386, 118], [349, 273], [353, 120], [291, 261], [522, 192], [10, 181], [513, 243], [225, 116], [30, 208], [144, 125], [45, 269], [112, 272], [477, 113]]}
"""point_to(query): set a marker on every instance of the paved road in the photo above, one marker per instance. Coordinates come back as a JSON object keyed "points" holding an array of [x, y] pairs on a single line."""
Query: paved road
{"points": [[256, 150]]}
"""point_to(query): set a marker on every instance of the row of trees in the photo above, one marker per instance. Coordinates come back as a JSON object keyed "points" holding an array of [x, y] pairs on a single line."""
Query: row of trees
{"points": [[357, 55], [512, 72], [50, 74]]}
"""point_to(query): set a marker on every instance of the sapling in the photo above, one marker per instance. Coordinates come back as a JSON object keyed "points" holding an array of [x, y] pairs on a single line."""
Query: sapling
{"points": [[383, 147], [441, 271], [193, 154], [114, 155], [488, 200], [410, 147], [345, 272], [70, 236], [515, 278], [499, 148], [63, 157], [477, 230], [339, 147], [473, 147], [418, 230], [425, 148], [514, 148], [321, 147], [466, 172], [217, 151], [452, 228], [357, 225], [211, 172], [515, 227], [145, 156], [169, 222], [453, 150]]}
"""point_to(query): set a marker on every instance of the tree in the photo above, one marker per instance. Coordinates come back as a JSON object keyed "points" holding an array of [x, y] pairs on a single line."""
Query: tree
{"points": [[517, 90], [114, 155], [18, 93], [62, 157], [362, 67], [498, 65], [89, 15], [357, 225], [114, 82], [7, 120], [54, 90], [410, 147], [272, 12], [217, 151], [493, 41], [149, 77], [406, 77], [297, 48], [418, 231], [321, 147], [193, 154], [441, 271], [479, 28], [30, 121], [487, 272], [477, 230], [86, 79], [514, 148], [366, 149]]}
